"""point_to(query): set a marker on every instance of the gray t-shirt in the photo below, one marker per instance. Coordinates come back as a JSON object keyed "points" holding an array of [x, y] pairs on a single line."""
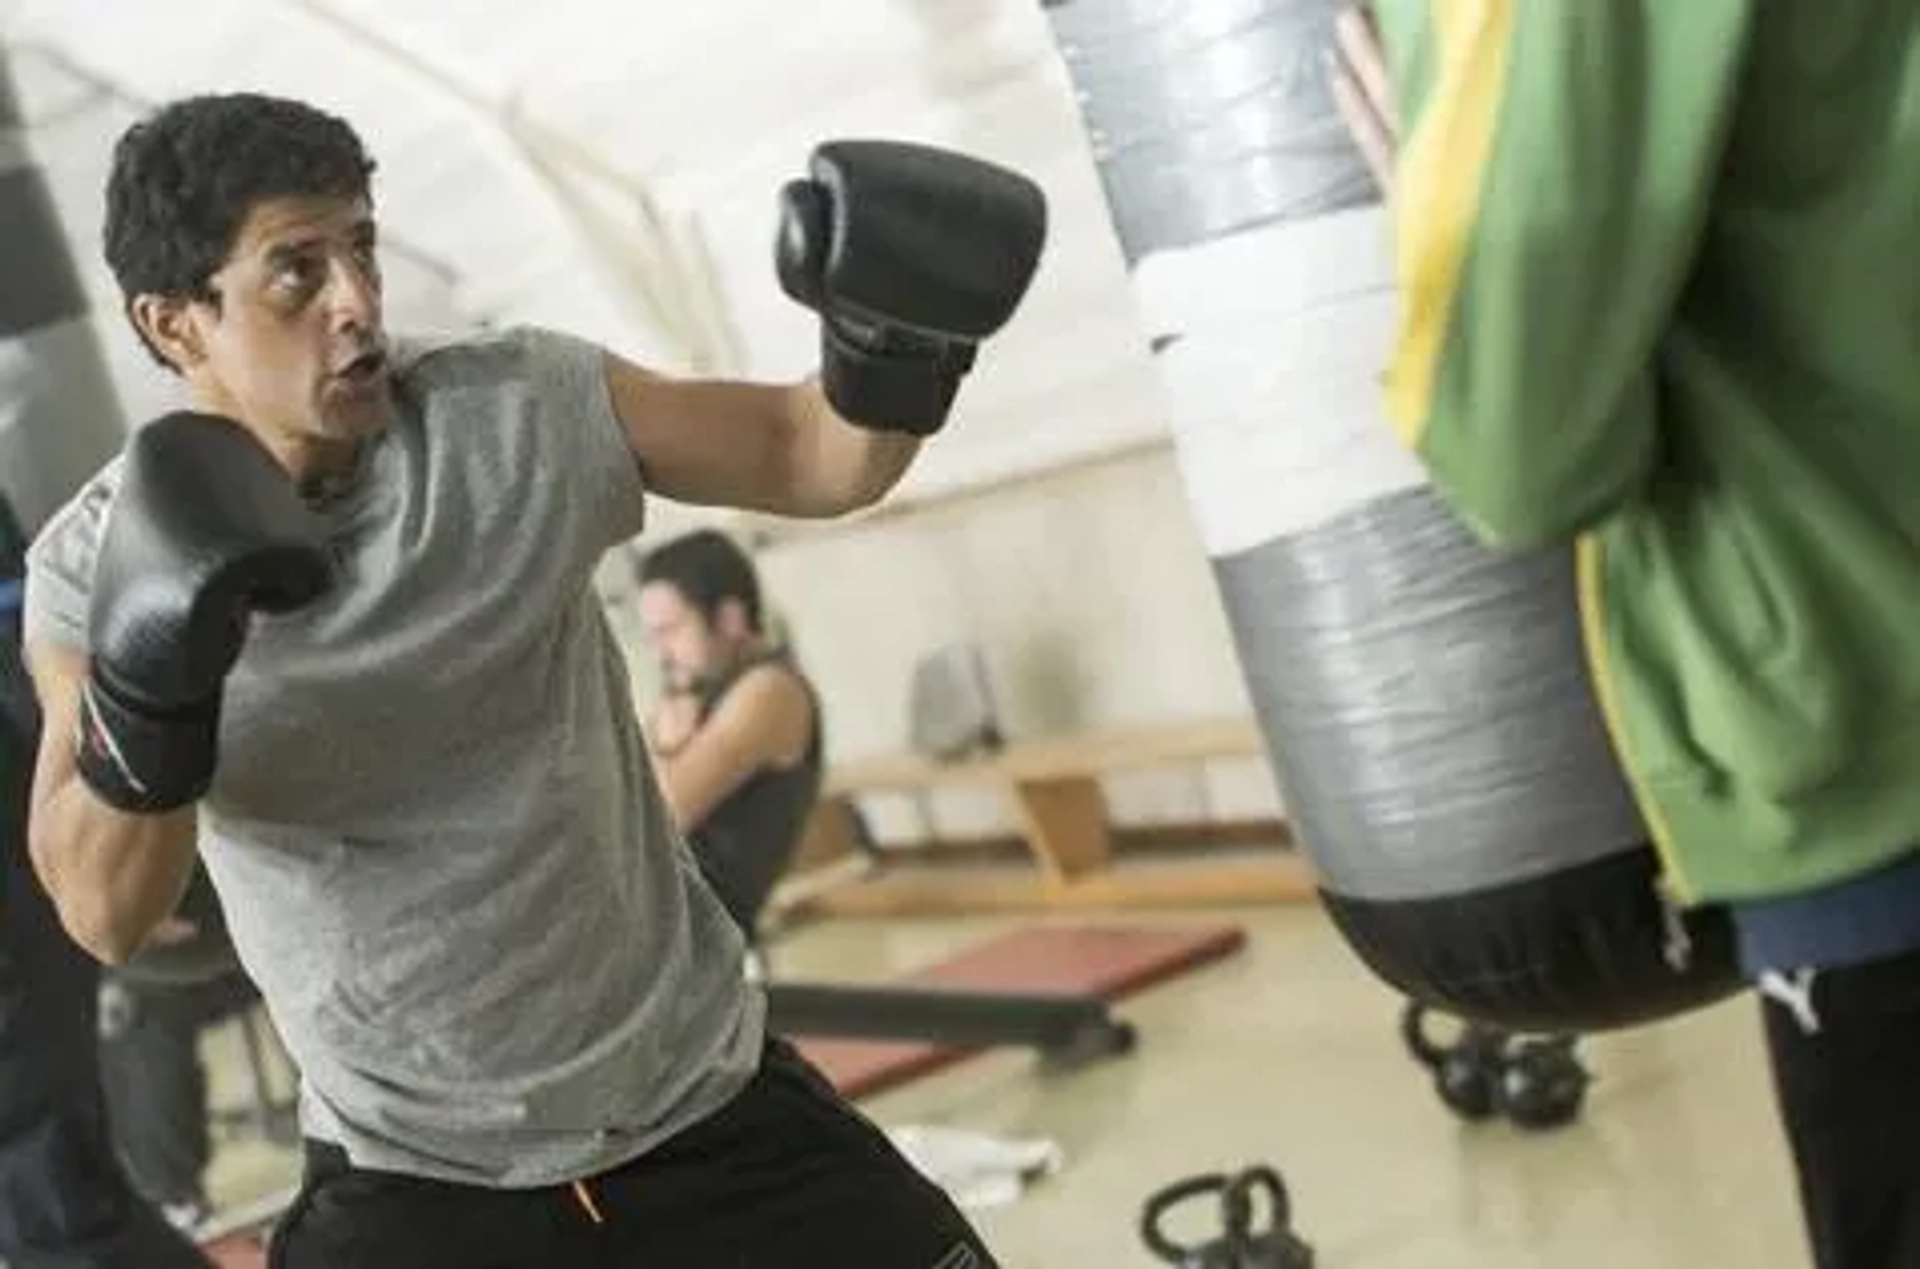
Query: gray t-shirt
{"points": [[435, 827]]}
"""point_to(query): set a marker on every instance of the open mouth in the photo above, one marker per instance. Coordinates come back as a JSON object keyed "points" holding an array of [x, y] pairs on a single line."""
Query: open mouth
{"points": [[363, 370]]}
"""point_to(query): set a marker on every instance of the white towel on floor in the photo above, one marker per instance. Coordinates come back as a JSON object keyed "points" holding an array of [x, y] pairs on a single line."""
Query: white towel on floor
{"points": [[975, 1169]]}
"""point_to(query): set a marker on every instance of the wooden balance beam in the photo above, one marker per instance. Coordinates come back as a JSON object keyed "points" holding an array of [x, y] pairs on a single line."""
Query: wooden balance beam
{"points": [[1053, 785]]}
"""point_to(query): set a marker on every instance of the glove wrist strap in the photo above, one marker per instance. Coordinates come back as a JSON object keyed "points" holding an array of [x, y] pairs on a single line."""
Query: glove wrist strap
{"points": [[141, 763], [907, 389]]}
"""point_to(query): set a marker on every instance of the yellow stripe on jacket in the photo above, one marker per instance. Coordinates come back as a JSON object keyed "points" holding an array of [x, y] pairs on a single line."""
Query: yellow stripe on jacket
{"points": [[1441, 176]]}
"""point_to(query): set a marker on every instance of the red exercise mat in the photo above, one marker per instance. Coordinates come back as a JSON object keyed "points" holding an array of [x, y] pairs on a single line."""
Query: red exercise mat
{"points": [[1108, 961]]}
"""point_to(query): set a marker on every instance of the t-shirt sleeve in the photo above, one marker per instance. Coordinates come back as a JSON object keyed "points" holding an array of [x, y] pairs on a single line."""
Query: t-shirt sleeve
{"points": [[569, 374], [60, 567]]}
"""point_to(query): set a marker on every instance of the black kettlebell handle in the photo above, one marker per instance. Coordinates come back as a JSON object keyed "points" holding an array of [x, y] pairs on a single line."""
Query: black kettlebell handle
{"points": [[1239, 1201], [1431, 1053], [1239, 1196], [1413, 1030], [1172, 1196]]}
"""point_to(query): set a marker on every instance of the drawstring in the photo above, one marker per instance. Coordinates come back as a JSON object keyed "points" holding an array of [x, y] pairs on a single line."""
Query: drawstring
{"points": [[581, 1192]]}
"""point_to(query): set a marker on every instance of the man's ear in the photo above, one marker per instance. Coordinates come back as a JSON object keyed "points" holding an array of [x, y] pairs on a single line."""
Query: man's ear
{"points": [[730, 619], [168, 325]]}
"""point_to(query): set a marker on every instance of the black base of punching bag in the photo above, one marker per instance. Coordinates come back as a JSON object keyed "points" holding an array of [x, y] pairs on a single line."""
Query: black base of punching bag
{"points": [[1588, 948]]}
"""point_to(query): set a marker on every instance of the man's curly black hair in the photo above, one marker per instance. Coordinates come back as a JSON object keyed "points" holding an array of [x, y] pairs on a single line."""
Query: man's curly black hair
{"points": [[185, 178]]}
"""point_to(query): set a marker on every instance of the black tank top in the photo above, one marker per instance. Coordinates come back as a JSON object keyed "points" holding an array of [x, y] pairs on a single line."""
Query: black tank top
{"points": [[745, 843]]}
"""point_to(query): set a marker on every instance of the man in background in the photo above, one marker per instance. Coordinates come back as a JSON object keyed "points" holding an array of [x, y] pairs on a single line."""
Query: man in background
{"points": [[737, 734]]}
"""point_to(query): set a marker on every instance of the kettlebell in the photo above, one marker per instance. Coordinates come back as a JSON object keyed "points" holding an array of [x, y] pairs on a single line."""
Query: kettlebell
{"points": [[1244, 1242], [1535, 1083], [1466, 1073], [1543, 1084]]}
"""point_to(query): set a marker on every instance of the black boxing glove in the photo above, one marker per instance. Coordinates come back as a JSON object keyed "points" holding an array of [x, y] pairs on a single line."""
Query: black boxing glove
{"points": [[912, 256], [206, 529]]}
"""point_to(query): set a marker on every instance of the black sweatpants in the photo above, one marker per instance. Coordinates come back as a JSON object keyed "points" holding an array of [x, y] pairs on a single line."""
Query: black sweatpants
{"points": [[786, 1176], [1845, 1048]]}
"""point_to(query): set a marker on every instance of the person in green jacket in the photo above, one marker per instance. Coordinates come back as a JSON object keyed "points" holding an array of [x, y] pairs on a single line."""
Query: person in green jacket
{"points": [[1658, 302]]}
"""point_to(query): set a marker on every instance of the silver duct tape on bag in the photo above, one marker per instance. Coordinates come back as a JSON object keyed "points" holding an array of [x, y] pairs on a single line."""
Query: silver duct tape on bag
{"points": [[1428, 701], [60, 417], [1208, 116]]}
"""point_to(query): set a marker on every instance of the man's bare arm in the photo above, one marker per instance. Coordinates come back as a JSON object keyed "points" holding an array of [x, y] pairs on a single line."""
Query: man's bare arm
{"points": [[762, 722], [115, 877], [910, 256], [774, 448]]}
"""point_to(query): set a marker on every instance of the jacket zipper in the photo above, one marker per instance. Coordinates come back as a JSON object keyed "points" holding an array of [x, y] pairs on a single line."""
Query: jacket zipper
{"points": [[1677, 949]]}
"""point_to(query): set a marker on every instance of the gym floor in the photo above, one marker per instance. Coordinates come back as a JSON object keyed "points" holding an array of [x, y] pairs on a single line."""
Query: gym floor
{"points": [[1288, 1053]]}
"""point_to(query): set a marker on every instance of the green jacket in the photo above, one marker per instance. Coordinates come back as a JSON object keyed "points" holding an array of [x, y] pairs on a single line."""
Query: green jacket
{"points": [[1660, 269]]}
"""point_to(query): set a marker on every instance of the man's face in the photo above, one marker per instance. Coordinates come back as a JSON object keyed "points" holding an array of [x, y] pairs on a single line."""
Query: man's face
{"points": [[294, 345], [688, 647]]}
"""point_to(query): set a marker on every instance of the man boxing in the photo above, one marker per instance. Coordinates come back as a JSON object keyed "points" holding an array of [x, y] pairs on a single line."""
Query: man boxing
{"points": [[737, 735], [1656, 306], [334, 633]]}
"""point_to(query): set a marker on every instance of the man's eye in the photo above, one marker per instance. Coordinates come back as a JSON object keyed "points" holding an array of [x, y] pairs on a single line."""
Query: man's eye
{"points": [[296, 274]]}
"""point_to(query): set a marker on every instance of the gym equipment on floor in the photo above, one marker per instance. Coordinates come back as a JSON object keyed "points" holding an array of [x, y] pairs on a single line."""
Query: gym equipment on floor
{"points": [[1534, 1082], [1067, 1029], [1244, 1241], [1035, 988]]}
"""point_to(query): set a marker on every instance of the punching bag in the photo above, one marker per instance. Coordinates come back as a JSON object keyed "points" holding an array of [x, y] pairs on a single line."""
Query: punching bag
{"points": [[60, 417], [1425, 700]]}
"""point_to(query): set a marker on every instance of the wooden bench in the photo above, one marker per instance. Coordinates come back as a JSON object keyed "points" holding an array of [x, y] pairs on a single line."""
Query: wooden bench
{"points": [[1053, 785]]}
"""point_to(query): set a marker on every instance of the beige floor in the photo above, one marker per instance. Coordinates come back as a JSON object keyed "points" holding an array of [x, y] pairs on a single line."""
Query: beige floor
{"points": [[1288, 1054]]}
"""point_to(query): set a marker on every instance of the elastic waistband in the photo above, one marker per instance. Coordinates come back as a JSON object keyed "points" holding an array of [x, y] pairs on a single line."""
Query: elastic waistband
{"points": [[328, 1162]]}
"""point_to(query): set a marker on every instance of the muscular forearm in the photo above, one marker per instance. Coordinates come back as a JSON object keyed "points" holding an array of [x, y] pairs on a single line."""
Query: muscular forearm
{"points": [[113, 876], [837, 466]]}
